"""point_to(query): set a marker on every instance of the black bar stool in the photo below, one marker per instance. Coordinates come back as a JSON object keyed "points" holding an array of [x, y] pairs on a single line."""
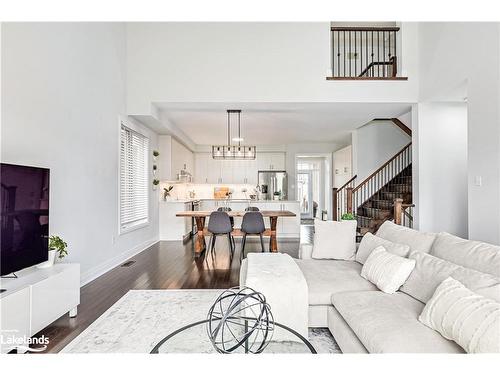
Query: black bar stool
{"points": [[253, 224], [218, 225]]}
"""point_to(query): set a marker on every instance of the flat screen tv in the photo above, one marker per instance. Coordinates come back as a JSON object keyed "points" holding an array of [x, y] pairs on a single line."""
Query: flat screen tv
{"points": [[24, 217]]}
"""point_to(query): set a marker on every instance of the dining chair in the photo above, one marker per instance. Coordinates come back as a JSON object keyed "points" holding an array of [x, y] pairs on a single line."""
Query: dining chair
{"points": [[250, 208], [220, 224], [253, 225], [227, 209]]}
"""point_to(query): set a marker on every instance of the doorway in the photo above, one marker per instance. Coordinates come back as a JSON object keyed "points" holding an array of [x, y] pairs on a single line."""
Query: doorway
{"points": [[305, 193]]}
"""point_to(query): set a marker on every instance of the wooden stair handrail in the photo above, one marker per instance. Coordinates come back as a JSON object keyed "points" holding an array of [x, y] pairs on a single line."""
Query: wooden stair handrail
{"points": [[364, 28], [391, 61], [400, 124], [347, 183], [382, 167]]}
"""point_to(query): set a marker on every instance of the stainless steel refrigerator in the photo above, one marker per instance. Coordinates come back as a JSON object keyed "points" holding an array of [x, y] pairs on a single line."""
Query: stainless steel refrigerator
{"points": [[273, 185]]}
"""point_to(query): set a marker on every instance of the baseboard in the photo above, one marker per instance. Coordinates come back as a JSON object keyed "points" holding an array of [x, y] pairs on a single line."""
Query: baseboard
{"points": [[101, 269]]}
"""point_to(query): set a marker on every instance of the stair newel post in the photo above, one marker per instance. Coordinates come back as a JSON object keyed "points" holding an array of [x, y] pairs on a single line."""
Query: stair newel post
{"points": [[334, 204], [349, 200], [398, 211]]}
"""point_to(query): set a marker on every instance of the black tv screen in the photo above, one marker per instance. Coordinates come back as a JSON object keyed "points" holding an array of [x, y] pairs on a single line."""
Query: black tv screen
{"points": [[25, 217]]}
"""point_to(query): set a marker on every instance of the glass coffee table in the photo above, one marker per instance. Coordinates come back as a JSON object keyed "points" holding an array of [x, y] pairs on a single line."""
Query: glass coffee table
{"points": [[193, 338]]}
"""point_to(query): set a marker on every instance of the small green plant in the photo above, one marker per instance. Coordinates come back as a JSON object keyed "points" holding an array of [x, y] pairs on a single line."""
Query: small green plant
{"points": [[348, 216], [56, 243], [156, 182], [166, 192], [156, 153]]}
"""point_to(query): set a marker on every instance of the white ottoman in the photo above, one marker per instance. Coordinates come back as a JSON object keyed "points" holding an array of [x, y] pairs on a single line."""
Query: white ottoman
{"points": [[281, 281]]}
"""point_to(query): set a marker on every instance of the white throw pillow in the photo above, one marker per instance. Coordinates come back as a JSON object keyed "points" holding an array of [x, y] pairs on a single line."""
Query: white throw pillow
{"points": [[334, 239], [418, 241], [430, 271], [469, 319], [370, 242], [387, 271]]}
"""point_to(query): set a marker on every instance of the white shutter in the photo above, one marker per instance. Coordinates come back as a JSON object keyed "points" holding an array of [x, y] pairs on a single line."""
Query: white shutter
{"points": [[134, 184]]}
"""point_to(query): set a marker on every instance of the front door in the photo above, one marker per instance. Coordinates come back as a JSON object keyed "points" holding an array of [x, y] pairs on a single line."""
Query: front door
{"points": [[304, 194]]}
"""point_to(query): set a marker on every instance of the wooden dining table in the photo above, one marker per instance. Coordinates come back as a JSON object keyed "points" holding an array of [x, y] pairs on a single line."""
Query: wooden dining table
{"points": [[200, 216]]}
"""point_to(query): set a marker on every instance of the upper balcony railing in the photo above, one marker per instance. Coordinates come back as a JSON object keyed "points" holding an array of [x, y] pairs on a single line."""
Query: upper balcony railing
{"points": [[365, 53]]}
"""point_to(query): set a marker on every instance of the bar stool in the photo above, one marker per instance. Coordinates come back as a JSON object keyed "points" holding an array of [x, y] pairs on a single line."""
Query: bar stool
{"points": [[218, 225], [253, 224]]}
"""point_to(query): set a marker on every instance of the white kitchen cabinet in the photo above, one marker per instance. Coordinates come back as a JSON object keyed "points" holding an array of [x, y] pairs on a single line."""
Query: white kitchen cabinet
{"points": [[173, 228], [201, 168], [251, 172], [267, 161], [173, 158], [290, 226]]}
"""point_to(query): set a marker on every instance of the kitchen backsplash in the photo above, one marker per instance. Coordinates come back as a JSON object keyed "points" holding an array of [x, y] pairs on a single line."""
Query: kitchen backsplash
{"points": [[206, 191]]}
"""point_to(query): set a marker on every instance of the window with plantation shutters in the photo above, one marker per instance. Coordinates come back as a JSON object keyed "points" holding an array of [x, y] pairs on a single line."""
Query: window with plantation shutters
{"points": [[134, 186]]}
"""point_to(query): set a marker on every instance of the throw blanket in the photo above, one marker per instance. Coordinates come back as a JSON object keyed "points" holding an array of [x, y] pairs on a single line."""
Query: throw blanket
{"points": [[281, 281]]}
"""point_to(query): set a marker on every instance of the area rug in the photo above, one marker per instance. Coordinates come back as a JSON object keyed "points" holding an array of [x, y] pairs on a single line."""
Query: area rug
{"points": [[142, 318]]}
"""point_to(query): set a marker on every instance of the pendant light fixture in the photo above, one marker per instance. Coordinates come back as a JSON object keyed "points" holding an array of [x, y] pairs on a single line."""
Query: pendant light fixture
{"points": [[235, 151]]}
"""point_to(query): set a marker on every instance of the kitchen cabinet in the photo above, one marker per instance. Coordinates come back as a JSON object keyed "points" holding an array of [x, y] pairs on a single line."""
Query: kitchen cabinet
{"points": [[267, 161], [173, 228], [210, 171], [173, 158]]}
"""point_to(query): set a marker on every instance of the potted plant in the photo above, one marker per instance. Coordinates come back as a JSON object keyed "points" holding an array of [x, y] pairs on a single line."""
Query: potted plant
{"points": [[348, 216], [156, 182], [166, 192], [155, 155], [57, 246]]}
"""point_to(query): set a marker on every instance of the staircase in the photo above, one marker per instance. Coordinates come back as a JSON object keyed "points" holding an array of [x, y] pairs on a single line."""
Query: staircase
{"points": [[384, 195], [380, 207]]}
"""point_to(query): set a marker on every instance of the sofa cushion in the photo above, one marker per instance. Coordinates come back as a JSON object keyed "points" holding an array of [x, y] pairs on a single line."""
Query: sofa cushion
{"points": [[459, 314], [430, 271], [477, 255], [388, 323], [418, 241], [387, 271], [325, 277], [334, 239], [369, 242]]}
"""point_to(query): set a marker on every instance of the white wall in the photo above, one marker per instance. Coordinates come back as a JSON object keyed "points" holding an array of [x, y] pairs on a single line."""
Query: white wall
{"points": [[441, 165], [248, 62], [374, 144], [63, 90], [342, 166], [458, 56]]}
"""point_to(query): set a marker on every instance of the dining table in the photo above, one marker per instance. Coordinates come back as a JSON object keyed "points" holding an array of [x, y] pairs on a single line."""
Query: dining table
{"points": [[200, 218]]}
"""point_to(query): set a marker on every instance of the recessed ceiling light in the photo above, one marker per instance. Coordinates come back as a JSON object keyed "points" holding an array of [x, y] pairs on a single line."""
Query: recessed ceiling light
{"points": [[236, 139]]}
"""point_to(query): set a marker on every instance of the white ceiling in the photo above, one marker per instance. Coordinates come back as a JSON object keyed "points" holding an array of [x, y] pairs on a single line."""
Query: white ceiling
{"points": [[277, 123]]}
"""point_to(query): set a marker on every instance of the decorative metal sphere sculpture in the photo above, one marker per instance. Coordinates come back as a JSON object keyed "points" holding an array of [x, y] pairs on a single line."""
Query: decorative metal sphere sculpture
{"points": [[240, 320]]}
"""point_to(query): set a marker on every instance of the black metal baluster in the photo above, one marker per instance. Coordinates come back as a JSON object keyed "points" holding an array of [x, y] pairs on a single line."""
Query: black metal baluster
{"points": [[383, 44], [392, 70], [338, 53], [344, 53], [350, 53], [332, 35], [355, 54], [378, 53], [366, 44]]}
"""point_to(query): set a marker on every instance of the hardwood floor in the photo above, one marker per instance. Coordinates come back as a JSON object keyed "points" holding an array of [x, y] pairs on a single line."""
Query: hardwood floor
{"points": [[165, 265]]}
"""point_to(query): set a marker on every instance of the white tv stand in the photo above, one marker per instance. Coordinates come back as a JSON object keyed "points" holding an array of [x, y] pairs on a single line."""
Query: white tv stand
{"points": [[36, 298]]}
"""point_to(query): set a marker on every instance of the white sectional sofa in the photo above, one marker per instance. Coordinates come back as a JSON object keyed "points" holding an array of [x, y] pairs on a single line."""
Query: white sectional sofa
{"points": [[364, 319]]}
